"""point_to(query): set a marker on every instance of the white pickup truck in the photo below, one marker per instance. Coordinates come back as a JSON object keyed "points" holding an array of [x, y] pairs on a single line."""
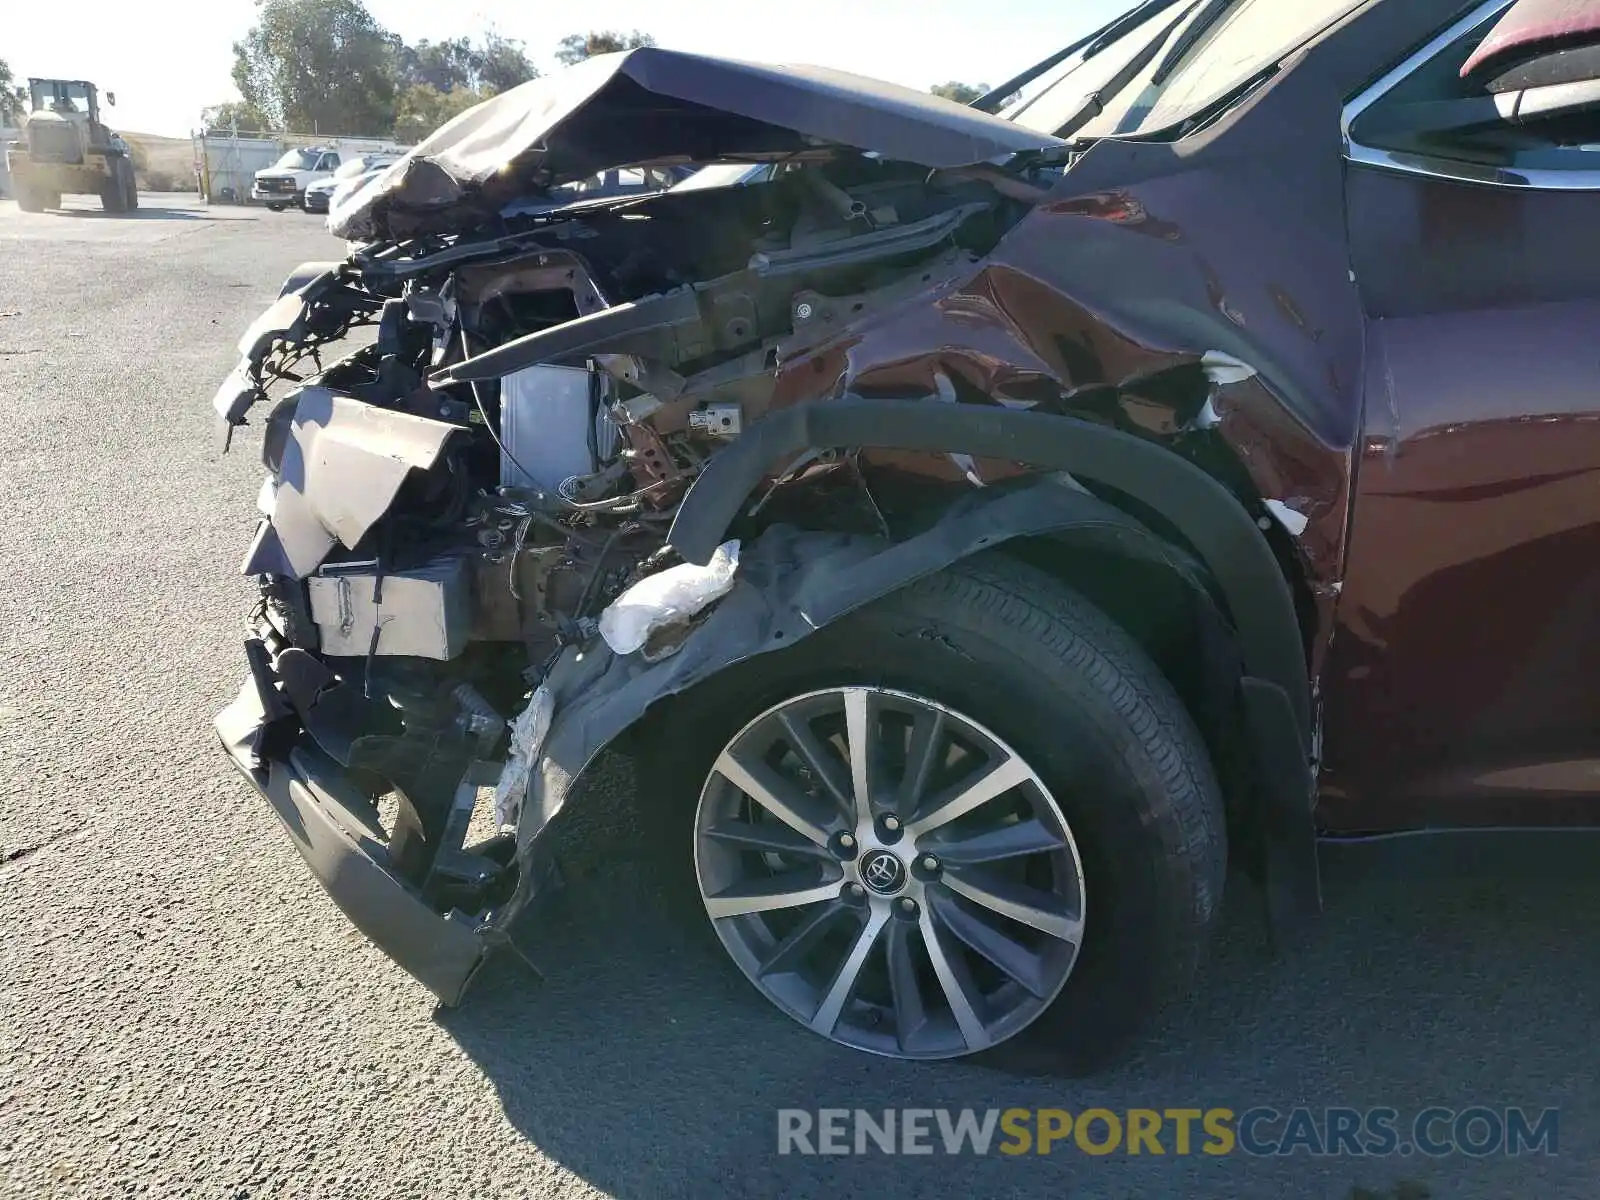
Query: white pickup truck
{"points": [[285, 181]]}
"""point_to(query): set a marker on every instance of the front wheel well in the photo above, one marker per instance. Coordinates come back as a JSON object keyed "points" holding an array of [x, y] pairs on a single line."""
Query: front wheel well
{"points": [[1180, 628]]}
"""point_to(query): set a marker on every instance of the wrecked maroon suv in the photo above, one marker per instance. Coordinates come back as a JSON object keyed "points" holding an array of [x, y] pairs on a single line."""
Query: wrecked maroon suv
{"points": [[982, 526]]}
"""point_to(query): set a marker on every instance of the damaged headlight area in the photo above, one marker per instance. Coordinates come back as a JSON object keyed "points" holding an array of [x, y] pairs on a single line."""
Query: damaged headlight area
{"points": [[475, 495]]}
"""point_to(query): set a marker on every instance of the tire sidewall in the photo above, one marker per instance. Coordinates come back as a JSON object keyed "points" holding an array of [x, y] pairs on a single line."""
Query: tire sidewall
{"points": [[1139, 939]]}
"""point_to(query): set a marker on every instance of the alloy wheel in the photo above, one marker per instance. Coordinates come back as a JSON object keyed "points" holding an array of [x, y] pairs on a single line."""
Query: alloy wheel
{"points": [[889, 872]]}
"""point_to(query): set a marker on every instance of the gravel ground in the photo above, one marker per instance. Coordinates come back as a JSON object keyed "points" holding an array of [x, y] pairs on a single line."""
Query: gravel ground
{"points": [[184, 1013]]}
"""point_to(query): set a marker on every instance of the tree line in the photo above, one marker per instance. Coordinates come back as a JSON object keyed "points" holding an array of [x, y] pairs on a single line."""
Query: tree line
{"points": [[328, 66]]}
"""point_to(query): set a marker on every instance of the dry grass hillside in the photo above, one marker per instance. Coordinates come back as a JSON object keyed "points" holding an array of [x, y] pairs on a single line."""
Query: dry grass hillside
{"points": [[164, 164]]}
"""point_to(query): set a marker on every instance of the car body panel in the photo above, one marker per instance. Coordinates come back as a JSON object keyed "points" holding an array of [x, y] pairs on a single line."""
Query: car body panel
{"points": [[1385, 377], [1460, 684], [649, 104]]}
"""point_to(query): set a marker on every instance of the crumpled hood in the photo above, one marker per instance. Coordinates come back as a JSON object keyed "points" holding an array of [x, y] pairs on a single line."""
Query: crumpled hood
{"points": [[648, 105]]}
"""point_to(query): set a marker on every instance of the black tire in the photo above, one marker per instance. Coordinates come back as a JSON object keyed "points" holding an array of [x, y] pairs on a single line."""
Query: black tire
{"points": [[274, 207], [1070, 691], [133, 190], [114, 191]]}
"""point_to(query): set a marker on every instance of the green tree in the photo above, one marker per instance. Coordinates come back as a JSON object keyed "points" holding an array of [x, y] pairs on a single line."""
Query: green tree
{"points": [[489, 66], [961, 93], [442, 66], [422, 108], [578, 46], [318, 66], [11, 105], [503, 64], [237, 114]]}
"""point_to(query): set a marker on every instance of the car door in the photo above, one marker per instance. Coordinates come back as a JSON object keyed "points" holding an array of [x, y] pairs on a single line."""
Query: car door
{"points": [[1464, 678]]}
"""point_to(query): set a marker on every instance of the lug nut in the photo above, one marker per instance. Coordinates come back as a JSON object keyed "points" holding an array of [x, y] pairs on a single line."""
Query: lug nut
{"points": [[908, 906], [854, 890], [846, 841], [930, 863], [891, 823]]}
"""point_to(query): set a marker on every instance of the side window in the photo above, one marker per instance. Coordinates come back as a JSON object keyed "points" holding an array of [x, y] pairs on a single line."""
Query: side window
{"points": [[1513, 127], [328, 163]]}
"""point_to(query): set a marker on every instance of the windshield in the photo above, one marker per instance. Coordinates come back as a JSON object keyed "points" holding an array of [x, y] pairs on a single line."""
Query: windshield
{"points": [[722, 175], [1245, 39], [297, 160], [58, 95]]}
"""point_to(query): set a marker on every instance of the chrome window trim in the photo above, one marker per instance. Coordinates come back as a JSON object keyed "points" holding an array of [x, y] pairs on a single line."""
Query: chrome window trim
{"points": [[1539, 179]]}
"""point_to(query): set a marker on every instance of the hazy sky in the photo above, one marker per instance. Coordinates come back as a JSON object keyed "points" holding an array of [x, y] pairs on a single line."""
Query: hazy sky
{"points": [[166, 60]]}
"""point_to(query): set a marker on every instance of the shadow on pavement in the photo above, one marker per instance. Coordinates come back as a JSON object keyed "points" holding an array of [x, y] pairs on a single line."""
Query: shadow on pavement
{"points": [[141, 214], [645, 1064]]}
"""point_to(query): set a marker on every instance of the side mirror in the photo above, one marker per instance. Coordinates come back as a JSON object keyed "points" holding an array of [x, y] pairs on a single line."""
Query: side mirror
{"points": [[111, 99]]}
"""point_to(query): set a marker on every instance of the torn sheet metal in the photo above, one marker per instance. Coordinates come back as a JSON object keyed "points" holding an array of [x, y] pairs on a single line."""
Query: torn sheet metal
{"points": [[653, 105], [343, 463]]}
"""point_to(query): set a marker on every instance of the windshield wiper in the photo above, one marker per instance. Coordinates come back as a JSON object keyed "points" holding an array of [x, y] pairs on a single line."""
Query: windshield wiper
{"points": [[1091, 44], [1096, 103], [1210, 13]]}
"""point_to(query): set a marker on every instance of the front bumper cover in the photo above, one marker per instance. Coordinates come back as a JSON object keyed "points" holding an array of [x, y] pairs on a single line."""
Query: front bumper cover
{"points": [[334, 828]]}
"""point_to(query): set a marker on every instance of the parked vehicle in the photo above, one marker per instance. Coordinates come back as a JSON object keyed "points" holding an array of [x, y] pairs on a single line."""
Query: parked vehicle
{"points": [[319, 194], [981, 530], [67, 148], [284, 183]]}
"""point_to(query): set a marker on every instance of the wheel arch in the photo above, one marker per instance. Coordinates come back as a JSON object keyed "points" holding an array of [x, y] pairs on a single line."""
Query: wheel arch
{"points": [[1249, 579], [1244, 674]]}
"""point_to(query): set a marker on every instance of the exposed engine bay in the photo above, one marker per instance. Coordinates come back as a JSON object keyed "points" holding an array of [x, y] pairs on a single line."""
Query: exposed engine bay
{"points": [[457, 501]]}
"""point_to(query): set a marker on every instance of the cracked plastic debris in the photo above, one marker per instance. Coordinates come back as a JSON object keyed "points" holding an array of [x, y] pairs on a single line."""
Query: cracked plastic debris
{"points": [[1294, 522], [527, 737], [673, 596]]}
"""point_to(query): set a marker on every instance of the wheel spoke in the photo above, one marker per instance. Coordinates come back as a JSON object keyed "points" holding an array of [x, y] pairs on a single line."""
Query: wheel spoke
{"points": [[970, 794], [844, 982], [1030, 906], [995, 885], [957, 985], [789, 890], [766, 835], [906, 992], [1005, 952], [823, 764], [858, 733], [922, 757], [1007, 841], [789, 951], [776, 794]]}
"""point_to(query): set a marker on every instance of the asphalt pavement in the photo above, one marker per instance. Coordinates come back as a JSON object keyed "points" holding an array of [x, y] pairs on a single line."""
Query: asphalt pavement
{"points": [[184, 1013]]}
